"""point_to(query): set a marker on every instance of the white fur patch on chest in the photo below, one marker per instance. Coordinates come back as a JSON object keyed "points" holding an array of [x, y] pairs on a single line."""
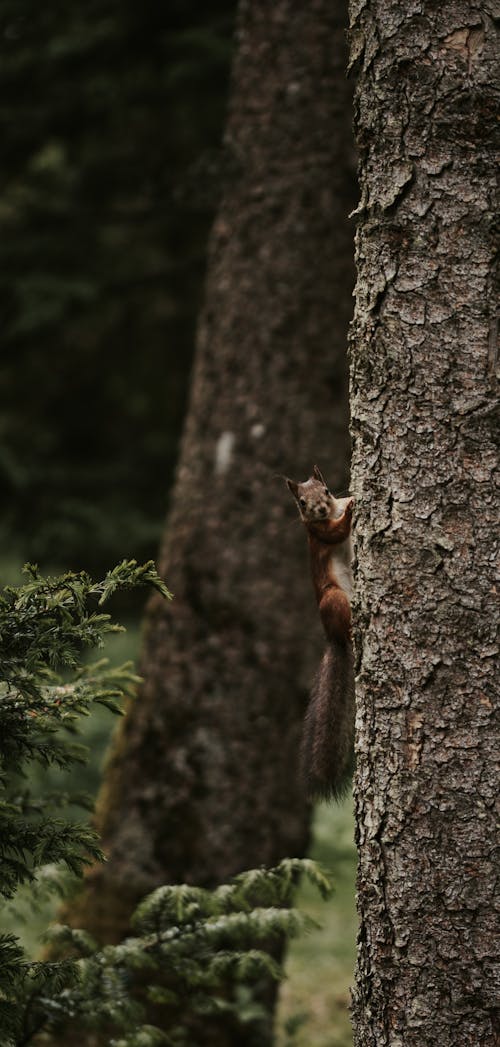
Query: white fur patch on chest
{"points": [[341, 566]]}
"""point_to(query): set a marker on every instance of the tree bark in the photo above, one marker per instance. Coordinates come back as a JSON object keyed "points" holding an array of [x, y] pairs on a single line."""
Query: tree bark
{"points": [[203, 778], [424, 456]]}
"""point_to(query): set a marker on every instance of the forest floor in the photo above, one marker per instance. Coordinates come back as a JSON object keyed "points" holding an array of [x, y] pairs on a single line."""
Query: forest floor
{"points": [[314, 998]]}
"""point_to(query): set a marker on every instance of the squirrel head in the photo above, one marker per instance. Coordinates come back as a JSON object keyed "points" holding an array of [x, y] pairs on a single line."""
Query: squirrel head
{"points": [[314, 499]]}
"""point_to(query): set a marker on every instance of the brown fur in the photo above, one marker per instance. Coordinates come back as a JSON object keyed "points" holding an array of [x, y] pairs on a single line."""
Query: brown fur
{"points": [[328, 738], [333, 604], [327, 748]]}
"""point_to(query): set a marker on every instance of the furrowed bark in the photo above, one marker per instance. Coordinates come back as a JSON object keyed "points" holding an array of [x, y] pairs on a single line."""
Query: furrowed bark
{"points": [[423, 423]]}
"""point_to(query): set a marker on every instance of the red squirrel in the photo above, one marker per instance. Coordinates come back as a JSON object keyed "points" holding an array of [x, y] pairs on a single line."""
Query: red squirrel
{"points": [[327, 750]]}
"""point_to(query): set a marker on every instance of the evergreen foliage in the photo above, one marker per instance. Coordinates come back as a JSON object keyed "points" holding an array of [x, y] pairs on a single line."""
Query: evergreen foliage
{"points": [[196, 955], [46, 625]]}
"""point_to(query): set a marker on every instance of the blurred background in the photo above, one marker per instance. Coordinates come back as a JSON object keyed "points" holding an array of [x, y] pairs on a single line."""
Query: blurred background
{"points": [[111, 120]]}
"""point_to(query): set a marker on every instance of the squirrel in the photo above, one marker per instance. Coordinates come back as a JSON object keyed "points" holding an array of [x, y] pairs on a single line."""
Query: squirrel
{"points": [[327, 749]]}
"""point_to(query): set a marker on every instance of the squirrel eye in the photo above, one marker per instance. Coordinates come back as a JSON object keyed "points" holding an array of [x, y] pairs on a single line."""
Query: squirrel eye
{"points": [[326, 490], [302, 502]]}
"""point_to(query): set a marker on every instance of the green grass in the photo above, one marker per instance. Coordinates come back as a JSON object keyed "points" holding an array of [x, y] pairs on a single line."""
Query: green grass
{"points": [[320, 964]]}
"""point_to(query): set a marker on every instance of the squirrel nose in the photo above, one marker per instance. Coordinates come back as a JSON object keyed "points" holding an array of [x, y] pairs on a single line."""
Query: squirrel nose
{"points": [[323, 510]]}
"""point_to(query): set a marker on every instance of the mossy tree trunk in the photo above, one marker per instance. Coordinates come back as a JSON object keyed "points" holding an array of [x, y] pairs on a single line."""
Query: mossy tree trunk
{"points": [[423, 356], [203, 779]]}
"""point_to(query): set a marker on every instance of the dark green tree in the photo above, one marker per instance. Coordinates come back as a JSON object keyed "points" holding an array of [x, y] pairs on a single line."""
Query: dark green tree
{"points": [[111, 121], [46, 625]]}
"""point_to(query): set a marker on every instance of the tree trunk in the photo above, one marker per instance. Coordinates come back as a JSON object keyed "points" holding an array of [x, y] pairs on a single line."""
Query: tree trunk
{"points": [[422, 377], [203, 779]]}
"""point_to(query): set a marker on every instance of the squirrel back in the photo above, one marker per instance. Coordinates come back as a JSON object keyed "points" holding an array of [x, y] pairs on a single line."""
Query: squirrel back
{"points": [[327, 751]]}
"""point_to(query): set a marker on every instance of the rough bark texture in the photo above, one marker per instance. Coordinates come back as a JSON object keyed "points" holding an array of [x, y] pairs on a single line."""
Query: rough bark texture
{"points": [[423, 356], [203, 781]]}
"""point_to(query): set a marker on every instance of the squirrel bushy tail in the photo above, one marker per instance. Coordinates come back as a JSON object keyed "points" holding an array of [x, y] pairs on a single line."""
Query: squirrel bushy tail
{"points": [[327, 751]]}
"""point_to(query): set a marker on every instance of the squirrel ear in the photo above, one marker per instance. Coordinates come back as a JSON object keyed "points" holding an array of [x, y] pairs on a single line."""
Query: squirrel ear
{"points": [[293, 487], [318, 476]]}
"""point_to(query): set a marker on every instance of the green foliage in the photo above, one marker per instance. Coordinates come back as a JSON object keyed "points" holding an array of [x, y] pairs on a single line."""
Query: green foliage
{"points": [[45, 627], [198, 955]]}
